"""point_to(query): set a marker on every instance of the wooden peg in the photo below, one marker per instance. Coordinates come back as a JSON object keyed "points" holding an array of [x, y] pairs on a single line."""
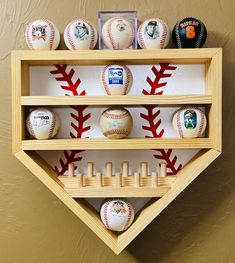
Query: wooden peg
{"points": [[109, 169], [90, 169], [163, 169], [125, 169], [137, 179], [144, 169], [80, 180], [98, 180], [118, 178], [154, 179], [71, 169]]}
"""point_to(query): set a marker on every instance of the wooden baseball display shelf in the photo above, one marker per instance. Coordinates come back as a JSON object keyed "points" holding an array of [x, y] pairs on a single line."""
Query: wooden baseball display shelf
{"points": [[166, 189]]}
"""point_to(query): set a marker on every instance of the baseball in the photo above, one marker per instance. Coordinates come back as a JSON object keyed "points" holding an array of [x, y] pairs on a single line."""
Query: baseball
{"points": [[116, 79], [117, 215], [80, 34], [189, 122], [153, 34], [42, 34], [117, 33], [189, 32], [42, 123], [116, 123]]}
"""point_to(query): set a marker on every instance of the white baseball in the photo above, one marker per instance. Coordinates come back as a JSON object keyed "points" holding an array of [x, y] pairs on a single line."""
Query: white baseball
{"points": [[116, 123], [116, 79], [42, 123], [189, 122], [80, 34], [153, 34], [42, 34], [117, 215], [117, 33]]}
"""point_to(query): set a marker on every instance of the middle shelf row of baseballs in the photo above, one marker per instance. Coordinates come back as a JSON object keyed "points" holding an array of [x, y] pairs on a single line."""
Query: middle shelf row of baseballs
{"points": [[141, 124]]}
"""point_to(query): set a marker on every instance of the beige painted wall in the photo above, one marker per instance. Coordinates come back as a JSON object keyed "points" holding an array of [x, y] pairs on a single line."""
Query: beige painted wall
{"points": [[199, 226]]}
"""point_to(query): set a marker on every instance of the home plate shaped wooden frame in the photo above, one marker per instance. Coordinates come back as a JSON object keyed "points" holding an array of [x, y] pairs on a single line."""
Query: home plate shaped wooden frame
{"points": [[24, 149]]}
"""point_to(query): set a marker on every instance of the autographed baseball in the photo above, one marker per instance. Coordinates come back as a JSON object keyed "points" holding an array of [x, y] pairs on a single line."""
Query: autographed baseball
{"points": [[116, 123], [117, 215], [189, 122], [117, 33], [42, 34], [42, 123], [189, 32], [116, 79], [153, 34], [80, 34]]}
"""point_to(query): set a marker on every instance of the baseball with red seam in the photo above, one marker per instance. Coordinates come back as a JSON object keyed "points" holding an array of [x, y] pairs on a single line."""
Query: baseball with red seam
{"points": [[80, 34], [117, 215], [153, 34], [117, 33], [42, 34], [189, 122], [116, 123], [116, 79], [42, 123]]}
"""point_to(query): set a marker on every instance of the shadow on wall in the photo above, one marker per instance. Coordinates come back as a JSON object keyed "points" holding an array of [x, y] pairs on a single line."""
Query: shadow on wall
{"points": [[183, 220]]}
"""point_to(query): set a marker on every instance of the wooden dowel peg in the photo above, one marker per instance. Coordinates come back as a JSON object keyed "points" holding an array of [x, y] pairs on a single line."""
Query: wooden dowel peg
{"points": [[90, 169], [98, 180], [71, 169], [118, 178], [80, 180], [125, 169], [109, 169], [154, 179], [163, 169], [137, 179], [144, 169]]}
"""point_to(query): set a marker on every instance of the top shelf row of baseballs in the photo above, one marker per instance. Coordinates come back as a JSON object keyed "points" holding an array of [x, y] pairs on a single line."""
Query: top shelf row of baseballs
{"points": [[116, 31]]}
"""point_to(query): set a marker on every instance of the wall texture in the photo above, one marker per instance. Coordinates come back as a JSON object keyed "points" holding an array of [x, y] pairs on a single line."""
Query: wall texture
{"points": [[199, 226]]}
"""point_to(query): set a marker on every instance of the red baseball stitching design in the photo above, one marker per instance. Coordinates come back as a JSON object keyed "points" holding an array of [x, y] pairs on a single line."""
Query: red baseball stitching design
{"points": [[79, 117], [30, 127], [52, 125], [67, 77], [155, 85], [28, 39], [106, 214], [128, 78], [129, 216], [201, 124], [69, 36], [109, 32], [104, 80], [164, 34], [179, 124], [113, 116], [131, 36], [111, 132], [140, 38], [52, 35]]}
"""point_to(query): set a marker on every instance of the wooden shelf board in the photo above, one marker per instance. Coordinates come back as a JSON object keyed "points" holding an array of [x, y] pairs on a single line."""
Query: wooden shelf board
{"points": [[116, 100], [97, 57], [122, 144], [116, 192]]}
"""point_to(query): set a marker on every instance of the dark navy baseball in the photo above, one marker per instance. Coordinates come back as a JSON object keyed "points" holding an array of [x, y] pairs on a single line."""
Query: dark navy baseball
{"points": [[189, 32]]}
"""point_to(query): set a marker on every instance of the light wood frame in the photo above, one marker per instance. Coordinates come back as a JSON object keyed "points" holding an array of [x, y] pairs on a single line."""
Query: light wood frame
{"points": [[24, 149]]}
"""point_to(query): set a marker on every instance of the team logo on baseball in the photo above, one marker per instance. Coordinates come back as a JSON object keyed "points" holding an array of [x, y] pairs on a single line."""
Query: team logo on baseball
{"points": [[190, 119], [81, 31], [39, 32], [115, 76], [118, 207], [151, 30]]}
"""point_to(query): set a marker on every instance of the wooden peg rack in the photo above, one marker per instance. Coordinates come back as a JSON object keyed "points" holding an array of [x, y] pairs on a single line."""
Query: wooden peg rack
{"points": [[139, 184]]}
